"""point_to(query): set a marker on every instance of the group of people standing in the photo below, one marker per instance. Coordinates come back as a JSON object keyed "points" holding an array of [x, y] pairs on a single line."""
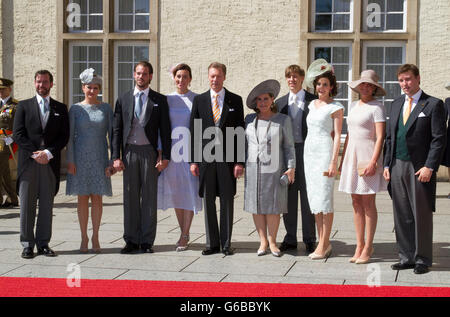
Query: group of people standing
{"points": [[291, 144]]}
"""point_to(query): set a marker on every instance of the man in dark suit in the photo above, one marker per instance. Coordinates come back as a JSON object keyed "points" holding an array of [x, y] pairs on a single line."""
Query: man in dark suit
{"points": [[41, 130], [139, 115], [295, 104], [415, 140], [216, 111]]}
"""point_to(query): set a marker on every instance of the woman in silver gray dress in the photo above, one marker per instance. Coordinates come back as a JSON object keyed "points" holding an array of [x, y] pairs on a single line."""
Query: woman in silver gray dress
{"points": [[270, 164]]}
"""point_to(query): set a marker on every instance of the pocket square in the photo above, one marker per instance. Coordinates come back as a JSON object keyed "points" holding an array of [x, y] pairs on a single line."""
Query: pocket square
{"points": [[422, 115], [231, 110], [56, 114], [155, 105]]}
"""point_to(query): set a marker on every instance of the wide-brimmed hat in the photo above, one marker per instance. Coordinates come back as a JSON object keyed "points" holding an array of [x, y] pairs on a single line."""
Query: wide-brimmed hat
{"points": [[318, 67], [5, 83], [270, 86], [448, 86], [88, 76], [368, 76]]}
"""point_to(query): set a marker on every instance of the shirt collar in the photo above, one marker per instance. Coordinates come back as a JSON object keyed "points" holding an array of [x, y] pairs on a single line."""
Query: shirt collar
{"points": [[39, 99], [415, 97], [145, 91], [300, 96], [220, 93], [6, 100]]}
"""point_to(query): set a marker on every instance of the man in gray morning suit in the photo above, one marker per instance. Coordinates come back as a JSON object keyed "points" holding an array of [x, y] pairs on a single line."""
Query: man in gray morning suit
{"points": [[139, 116], [41, 130], [415, 141], [295, 104]]}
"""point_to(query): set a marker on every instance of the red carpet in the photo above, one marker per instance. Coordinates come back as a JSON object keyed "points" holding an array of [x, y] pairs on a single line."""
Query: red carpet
{"points": [[40, 287]]}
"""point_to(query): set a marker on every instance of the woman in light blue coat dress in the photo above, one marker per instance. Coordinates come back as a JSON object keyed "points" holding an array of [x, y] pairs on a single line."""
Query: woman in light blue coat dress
{"points": [[89, 168]]}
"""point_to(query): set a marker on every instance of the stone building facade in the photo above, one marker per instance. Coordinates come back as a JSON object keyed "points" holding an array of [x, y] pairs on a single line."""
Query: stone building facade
{"points": [[256, 39]]}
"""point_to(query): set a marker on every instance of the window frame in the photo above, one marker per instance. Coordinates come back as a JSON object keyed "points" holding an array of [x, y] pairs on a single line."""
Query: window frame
{"points": [[116, 61], [365, 15], [134, 14], [313, 18], [87, 20], [70, 61]]}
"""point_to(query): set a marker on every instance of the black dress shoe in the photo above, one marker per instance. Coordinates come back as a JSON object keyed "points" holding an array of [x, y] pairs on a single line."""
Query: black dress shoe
{"points": [[421, 269], [310, 247], [129, 248], [8, 204], [228, 251], [402, 266], [210, 251], [146, 248], [286, 247], [45, 250], [28, 253]]}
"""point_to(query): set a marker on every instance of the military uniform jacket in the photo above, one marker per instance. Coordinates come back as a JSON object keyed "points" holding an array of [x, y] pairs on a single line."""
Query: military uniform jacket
{"points": [[7, 113]]}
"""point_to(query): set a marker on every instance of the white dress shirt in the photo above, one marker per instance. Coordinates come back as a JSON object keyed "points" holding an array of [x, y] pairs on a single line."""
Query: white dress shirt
{"points": [[415, 99]]}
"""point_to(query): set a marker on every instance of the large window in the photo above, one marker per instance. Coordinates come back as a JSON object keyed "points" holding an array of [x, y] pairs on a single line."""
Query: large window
{"points": [[385, 15], [385, 58], [332, 15], [132, 15], [83, 56], [90, 18], [127, 55], [109, 36]]}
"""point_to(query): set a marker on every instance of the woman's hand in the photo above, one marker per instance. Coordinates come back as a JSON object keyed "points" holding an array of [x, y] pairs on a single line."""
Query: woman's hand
{"points": [[291, 175], [332, 169], [110, 171], [370, 169], [71, 169]]}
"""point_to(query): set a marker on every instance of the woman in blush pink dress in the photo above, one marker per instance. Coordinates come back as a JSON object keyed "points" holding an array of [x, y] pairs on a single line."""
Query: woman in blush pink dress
{"points": [[362, 168]]}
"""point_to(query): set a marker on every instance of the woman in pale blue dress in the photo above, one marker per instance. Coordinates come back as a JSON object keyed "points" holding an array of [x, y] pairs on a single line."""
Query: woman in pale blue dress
{"points": [[88, 167], [177, 188], [322, 150]]}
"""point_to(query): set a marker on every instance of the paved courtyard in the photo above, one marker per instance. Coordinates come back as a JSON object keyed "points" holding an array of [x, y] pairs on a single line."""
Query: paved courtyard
{"points": [[243, 266]]}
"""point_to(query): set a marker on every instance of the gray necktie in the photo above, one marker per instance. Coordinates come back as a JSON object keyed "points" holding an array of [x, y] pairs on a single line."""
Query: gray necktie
{"points": [[139, 105]]}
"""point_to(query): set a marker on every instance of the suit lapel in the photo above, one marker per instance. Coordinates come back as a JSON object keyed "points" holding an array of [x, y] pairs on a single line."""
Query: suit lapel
{"points": [[36, 111], [421, 104], [207, 109], [130, 110], [226, 108], [51, 114], [397, 107], [148, 109]]}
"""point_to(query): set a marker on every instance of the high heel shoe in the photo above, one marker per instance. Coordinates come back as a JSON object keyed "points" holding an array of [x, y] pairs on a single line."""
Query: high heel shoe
{"points": [[181, 248], [315, 256], [261, 252], [364, 261]]}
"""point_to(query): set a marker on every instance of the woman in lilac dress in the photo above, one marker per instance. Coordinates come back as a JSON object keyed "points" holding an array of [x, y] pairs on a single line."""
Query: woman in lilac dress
{"points": [[177, 188]]}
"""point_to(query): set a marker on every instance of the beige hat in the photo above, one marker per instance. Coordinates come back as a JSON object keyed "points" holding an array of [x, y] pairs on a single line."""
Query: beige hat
{"points": [[317, 68], [368, 76], [270, 86]]}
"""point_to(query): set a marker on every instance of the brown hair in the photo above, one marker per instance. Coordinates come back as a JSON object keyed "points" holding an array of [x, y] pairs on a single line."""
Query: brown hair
{"points": [[144, 64], [218, 66], [44, 72], [332, 80], [182, 67], [408, 67], [294, 69]]}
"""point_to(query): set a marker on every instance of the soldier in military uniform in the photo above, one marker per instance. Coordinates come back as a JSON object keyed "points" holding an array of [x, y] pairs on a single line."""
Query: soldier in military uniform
{"points": [[7, 112]]}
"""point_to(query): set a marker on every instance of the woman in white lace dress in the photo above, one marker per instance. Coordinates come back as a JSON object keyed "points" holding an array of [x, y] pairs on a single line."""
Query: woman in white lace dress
{"points": [[322, 150]]}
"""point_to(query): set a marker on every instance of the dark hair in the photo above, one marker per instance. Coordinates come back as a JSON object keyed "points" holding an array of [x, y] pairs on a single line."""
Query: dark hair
{"points": [[331, 78], [294, 69], [144, 64], [182, 67], [44, 72], [408, 67], [218, 66]]}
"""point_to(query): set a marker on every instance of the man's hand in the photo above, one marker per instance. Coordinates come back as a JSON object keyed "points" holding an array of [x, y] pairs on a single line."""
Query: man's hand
{"points": [[424, 174], [118, 165], [387, 174], [162, 165], [41, 157], [194, 170], [238, 170]]}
